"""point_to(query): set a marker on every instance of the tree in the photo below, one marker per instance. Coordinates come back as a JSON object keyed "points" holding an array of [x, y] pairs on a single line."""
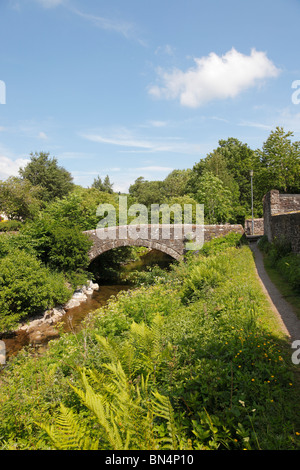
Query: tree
{"points": [[44, 172], [147, 192], [106, 186], [19, 199], [216, 198], [175, 183], [280, 161]]}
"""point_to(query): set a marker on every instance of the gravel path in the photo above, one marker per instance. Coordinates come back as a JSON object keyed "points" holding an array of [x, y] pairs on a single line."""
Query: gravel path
{"points": [[287, 318]]}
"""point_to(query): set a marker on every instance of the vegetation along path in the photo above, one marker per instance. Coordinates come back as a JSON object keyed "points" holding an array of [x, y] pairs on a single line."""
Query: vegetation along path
{"points": [[289, 321]]}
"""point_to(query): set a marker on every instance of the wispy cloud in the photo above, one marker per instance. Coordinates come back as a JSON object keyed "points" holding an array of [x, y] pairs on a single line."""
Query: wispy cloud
{"points": [[258, 125], [214, 77], [132, 143], [116, 25]]}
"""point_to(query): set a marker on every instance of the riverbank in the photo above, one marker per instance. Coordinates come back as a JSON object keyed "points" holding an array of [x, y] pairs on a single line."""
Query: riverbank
{"points": [[40, 329]]}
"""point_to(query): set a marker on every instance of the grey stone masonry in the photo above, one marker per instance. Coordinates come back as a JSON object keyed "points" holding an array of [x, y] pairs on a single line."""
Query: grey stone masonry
{"points": [[173, 239], [282, 218]]}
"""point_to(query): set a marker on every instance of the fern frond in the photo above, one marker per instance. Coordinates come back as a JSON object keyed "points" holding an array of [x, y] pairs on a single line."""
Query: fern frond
{"points": [[162, 408], [68, 434]]}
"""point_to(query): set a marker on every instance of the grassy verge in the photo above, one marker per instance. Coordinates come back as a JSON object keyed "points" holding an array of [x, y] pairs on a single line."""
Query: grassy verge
{"points": [[191, 360]]}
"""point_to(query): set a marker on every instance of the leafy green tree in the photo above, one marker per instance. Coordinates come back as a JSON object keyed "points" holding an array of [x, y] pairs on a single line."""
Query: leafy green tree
{"points": [[231, 162], [79, 208], [175, 183], [19, 199], [44, 172], [147, 192], [280, 161], [216, 198]]}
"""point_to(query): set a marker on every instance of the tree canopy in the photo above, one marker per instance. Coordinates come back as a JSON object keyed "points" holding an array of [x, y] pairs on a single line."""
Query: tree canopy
{"points": [[45, 172]]}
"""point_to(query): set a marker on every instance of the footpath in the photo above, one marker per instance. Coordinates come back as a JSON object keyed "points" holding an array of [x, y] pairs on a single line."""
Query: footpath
{"points": [[287, 318]]}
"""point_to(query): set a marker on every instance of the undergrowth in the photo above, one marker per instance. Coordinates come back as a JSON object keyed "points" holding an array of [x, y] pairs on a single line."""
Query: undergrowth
{"points": [[188, 360]]}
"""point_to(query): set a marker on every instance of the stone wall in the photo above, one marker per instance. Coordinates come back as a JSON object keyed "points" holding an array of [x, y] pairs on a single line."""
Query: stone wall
{"points": [[258, 227], [282, 217], [170, 239], [287, 226]]}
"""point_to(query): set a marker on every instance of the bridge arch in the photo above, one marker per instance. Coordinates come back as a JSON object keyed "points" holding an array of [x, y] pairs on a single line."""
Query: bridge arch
{"points": [[170, 239], [99, 250]]}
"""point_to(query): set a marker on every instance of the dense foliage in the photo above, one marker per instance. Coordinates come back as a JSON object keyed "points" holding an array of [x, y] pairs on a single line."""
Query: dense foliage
{"points": [[45, 173], [191, 361], [27, 288], [280, 256], [221, 180]]}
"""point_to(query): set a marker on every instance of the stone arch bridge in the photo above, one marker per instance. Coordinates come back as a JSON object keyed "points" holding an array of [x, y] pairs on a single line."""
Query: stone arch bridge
{"points": [[173, 239]]}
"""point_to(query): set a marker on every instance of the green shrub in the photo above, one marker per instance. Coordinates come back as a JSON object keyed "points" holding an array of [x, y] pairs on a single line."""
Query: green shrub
{"points": [[264, 244], [61, 246], [219, 244], [279, 248], [279, 256], [289, 267], [27, 288], [10, 225]]}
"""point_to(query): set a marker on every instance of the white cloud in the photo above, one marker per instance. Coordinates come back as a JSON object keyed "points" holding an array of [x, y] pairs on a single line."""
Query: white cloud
{"points": [[9, 167], [214, 77]]}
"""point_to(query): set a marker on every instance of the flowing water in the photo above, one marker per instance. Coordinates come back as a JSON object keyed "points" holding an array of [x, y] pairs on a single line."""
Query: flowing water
{"points": [[73, 318]]}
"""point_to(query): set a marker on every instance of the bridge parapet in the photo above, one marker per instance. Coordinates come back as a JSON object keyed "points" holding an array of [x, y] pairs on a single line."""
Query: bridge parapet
{"points": [[173, 239]]}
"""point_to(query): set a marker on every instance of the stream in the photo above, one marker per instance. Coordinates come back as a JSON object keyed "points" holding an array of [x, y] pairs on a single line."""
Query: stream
{"points": [[73, 318]]}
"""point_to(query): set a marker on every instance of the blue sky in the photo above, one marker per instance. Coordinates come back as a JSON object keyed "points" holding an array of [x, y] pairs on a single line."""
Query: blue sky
{"points": [[139, 88]]}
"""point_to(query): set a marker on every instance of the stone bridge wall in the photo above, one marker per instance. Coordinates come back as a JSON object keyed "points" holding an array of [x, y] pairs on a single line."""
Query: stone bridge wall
{"points": [[170, 239], [282, 217]]}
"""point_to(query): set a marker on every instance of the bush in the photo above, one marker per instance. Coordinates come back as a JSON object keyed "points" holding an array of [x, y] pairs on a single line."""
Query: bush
{"points": [[264, 244], [10, 225], [219, 244], [278, 249], [279, 256], [58, 245], [27, 288], [289, 267]]}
